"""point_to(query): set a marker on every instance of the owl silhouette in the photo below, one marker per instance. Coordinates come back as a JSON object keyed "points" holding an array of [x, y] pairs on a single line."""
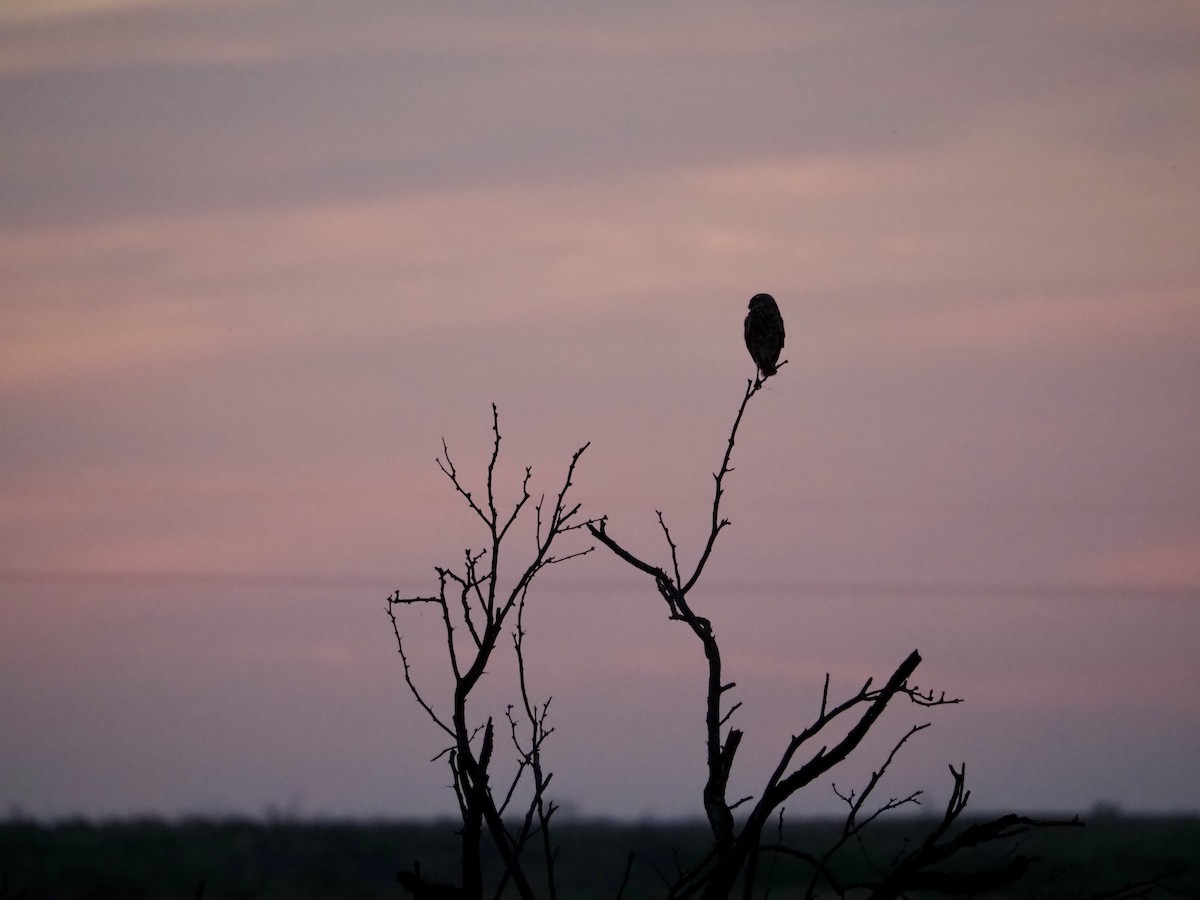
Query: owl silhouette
{"points": [[764, 333]]}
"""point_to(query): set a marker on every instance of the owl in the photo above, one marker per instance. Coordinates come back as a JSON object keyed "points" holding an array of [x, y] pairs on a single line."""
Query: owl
{"points": [[764, 333]]}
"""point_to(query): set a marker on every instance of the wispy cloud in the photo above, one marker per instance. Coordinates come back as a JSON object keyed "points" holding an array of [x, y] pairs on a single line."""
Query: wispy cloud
{"points": [[259, 257]]}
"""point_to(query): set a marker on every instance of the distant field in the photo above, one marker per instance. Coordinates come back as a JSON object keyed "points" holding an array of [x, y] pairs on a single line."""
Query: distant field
{"points": [[249, 860]]}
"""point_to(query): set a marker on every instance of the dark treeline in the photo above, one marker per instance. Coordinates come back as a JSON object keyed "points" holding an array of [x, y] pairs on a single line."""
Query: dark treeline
{"points": [[150, 858]]}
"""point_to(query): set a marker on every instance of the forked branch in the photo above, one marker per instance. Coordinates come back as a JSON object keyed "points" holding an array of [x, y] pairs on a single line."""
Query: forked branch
{"points": [[674, 588], [472, 598]]}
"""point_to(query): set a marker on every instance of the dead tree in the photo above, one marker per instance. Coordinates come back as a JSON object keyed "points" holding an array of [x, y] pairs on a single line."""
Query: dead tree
{"points": [[738, 847], [476, 611]]}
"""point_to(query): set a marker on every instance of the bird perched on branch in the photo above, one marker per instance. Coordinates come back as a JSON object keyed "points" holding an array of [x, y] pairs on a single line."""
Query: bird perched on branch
{"points": [[764, 333]]}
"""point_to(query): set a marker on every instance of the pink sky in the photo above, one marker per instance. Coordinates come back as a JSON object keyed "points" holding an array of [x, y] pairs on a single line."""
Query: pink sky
{"points": [[260, 257]]}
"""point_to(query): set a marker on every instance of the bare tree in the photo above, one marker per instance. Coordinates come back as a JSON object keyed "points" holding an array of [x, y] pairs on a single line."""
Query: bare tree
{"points": [[475, 610], [737, 847]]}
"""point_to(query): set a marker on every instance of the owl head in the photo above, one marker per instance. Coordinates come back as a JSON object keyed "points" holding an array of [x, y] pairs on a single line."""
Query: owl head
{"points": [[763, 303]]}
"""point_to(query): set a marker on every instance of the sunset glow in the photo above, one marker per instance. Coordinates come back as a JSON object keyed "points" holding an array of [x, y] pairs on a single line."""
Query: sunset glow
{"points": [[260, 258]]}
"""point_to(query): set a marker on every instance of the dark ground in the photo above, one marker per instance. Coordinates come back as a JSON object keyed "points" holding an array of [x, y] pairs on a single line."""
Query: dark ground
{"points": [[149, 858]]}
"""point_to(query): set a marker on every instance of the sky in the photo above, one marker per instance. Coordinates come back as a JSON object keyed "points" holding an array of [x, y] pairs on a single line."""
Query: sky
{"points": [[259, 258]]}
